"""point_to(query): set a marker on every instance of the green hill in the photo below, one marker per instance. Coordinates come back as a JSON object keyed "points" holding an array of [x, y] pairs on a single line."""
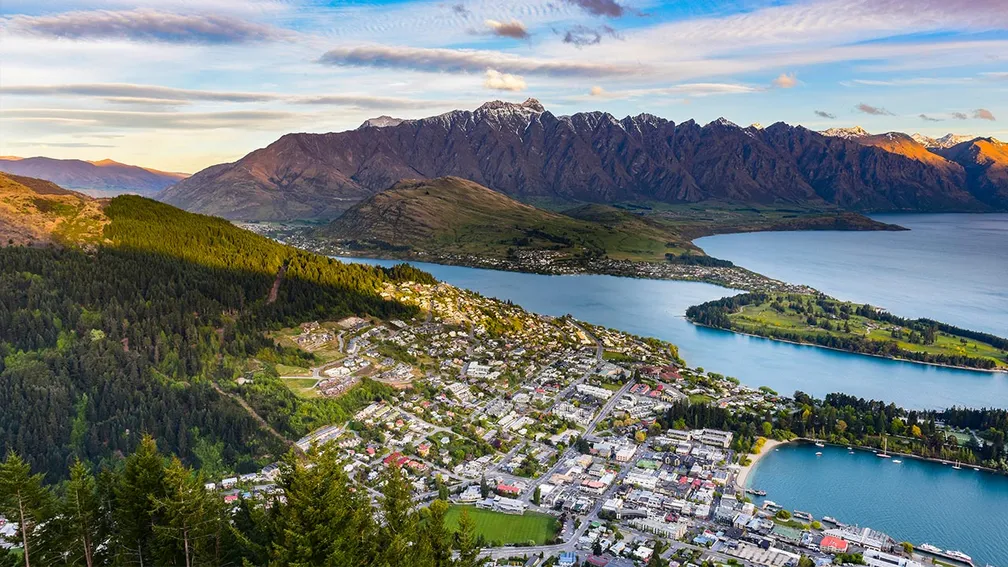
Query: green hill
{"points": [[147, 330], [450, 215]]}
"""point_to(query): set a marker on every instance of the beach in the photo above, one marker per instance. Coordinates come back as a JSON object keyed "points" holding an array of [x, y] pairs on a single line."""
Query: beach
{"points": [[743, 473]]}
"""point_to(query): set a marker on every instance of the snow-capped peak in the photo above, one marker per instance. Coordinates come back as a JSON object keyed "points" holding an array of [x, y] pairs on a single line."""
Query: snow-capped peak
{"points": [[943, 142], [722, 121], [530, 106], [926, 141], [382, 121], [846, 133], [756, 126]]}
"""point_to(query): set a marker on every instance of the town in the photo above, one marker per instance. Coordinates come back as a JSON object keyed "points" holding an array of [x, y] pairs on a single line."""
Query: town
{"points": [[550, 432]]}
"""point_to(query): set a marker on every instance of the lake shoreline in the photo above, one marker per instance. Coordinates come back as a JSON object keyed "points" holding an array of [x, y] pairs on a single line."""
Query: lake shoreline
{"points": [[808, 441], [893, 358], [745, 471]]}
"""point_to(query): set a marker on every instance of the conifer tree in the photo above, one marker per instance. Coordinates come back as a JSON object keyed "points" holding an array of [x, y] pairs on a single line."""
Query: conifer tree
{"points": [[27, 502]]}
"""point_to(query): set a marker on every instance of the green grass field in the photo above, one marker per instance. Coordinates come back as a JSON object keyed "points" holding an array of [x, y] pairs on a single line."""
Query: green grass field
{"points": [[506, 528], [753, 318], [303, 387]]}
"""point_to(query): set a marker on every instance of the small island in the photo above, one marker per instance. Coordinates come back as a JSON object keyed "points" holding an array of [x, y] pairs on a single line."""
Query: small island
{"points": [[820, 320]]}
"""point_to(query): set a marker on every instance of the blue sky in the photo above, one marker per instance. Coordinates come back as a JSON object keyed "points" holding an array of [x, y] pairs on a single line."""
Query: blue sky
{"points": [[181, 85]]}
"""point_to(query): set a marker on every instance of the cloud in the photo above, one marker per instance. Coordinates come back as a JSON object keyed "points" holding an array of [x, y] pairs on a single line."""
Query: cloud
{"points": [[460, 9], [959, 115], [824, 114], [61, 145], [503, 81], [927, 118], [785, 81], [600, 7], [469, 61], [74, 118], [513, 29], [581, 36], [127, 93], [983, 114], [596, 91], [873, 110], [149, 93], [146, 25]]}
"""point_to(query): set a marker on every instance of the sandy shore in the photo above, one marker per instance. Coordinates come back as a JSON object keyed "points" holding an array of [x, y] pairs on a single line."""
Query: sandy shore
{"points": [[743, 474]]}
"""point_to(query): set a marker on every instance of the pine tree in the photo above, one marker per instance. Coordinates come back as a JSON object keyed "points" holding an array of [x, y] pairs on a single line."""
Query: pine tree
{"points": [[26, 501], [83, 525], [468, 542], [187, 518], [436, 534], [138, 487]]}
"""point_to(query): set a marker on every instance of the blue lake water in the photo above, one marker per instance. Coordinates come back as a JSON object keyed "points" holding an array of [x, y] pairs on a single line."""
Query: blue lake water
{"points": [[951, 267], [656, 308], [916, 501]]}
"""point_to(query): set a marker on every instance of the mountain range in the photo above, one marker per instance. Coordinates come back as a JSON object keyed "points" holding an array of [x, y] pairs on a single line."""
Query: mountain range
{"points": [[99, 178], [528, 153]]}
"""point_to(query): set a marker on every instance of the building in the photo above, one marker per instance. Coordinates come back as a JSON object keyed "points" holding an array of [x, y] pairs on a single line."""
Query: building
{"points": [[874, 558], [509, 505], [625, 454], [833, 544], [714, 437], [594, 391], [863, 537]]}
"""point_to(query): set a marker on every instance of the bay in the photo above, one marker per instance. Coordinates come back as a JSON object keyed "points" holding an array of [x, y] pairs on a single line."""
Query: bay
{"points": [[948, 267], [656, 308], [916, 501]]}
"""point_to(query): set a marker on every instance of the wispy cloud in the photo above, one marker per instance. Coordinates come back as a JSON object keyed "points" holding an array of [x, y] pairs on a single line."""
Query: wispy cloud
{"points": [[460, 9], [71, 118], [503, 81], [608, 8], [824, 114], [513, 29], [983, 114], [959, 115], [469, 61], [145, 25], [581, 35], [785, 81], [596, 91], [927, 118], [127, 93], [873, 110]]}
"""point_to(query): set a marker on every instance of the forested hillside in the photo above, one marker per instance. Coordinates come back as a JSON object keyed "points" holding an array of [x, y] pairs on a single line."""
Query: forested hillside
{"points": [[100, 346]]}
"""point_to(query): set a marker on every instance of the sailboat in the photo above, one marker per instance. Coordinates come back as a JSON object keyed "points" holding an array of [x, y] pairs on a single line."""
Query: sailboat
{"points": [[885, 447], [957, 467]]}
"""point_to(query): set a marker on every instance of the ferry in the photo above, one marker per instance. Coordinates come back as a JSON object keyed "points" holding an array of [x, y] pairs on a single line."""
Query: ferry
{"points": [[946, 553], [830, 520]]}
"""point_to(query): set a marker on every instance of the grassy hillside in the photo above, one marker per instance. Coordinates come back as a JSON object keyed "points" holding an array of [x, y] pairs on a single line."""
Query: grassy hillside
{"points": [[34, 211], [450, 215]]}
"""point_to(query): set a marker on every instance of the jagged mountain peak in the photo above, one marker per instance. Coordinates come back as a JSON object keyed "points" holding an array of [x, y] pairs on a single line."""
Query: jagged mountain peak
{"points": [[724, 122], [383, 121], [530, 106], [846, 133]]}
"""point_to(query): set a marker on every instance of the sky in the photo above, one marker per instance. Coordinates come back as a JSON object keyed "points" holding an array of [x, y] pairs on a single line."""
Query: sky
{"points": [[180, 85]]}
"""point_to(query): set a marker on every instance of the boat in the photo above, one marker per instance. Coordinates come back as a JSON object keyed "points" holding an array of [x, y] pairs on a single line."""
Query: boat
{"points": [[850, 448], [957, 467], [897, 461], [803, 515], [818, 453], [819, 444], [830, 520], [976, 469], [946, 553], [929, 548], [885, 447], [756, 492]]}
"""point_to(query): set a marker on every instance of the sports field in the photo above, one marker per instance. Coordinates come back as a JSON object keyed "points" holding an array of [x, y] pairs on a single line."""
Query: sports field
{"points": [[497, 527]]}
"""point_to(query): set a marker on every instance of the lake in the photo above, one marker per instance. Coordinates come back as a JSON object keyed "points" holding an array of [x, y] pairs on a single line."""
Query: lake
{"points": [[949, 267], [916, 501], [656, 308]]}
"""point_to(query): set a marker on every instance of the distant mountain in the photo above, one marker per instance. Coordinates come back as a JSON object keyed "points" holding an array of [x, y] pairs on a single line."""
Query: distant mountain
{"points": [[528, 153], [101, 178], [450, 215], [943, 142], [36, 211], [846, 133], [985, 161]]}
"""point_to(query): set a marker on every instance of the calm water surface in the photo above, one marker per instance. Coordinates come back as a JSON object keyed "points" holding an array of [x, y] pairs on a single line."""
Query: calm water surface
{"points": [[916, 501], [952, 267]]}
